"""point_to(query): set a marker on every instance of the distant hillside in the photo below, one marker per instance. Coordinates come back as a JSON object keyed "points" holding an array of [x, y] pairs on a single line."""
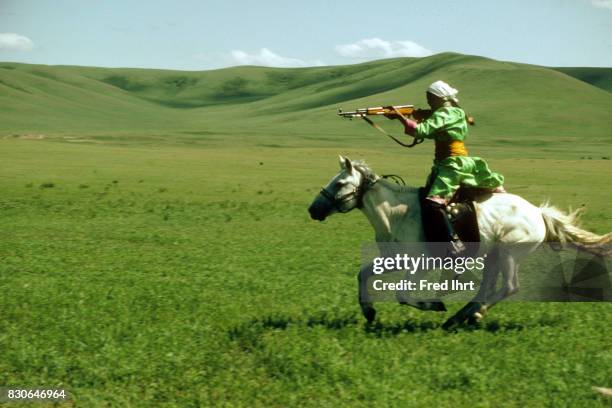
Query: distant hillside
{"points": [[507, 99], [599, 77]]}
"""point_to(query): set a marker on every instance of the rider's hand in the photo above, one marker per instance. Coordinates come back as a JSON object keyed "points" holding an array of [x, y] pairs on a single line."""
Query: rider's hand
{"points": [[392, 114]]}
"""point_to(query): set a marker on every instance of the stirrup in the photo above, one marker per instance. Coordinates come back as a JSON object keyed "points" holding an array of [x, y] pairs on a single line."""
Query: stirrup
{"points": [[457, 247]]}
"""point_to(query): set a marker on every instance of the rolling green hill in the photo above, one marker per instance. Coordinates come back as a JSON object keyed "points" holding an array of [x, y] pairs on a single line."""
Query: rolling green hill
{"points": [[512, 102], [599, 77]]}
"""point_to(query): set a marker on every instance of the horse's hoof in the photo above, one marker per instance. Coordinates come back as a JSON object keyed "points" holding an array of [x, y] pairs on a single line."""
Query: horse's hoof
{"points": [[430, 306], [438, 307], [477, 316], [480, 314], [475, 319], [451, 324], [369, 313]]}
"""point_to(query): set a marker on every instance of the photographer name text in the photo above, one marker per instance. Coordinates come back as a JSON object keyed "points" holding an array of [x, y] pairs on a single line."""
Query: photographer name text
{"points": [[423, 285]]}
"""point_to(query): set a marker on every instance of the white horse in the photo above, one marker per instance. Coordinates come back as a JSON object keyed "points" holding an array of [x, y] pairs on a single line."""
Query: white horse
{"points": [[395, 214]]}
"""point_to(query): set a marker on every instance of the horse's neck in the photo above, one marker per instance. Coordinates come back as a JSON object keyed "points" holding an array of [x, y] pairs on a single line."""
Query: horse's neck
{"points": [[395, 215]]}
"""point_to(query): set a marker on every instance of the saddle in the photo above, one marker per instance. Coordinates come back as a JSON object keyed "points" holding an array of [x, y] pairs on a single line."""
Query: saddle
{"points": [[462, 215]]}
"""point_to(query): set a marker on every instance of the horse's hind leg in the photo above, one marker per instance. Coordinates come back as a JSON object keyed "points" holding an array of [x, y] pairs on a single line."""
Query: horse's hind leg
{"points": [[508, 269], [509, 287], [497, 263], [487, 288], [509, 261]]}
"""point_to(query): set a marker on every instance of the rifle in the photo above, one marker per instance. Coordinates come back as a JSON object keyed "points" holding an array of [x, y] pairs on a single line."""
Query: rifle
{"points": [[404, 110]]}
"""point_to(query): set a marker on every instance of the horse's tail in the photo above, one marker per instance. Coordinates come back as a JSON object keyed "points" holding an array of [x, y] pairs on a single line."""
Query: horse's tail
{"points": [[563, 228]]}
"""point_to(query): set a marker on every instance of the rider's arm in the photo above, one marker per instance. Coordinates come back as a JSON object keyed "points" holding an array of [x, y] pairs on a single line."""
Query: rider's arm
{"points": [[410, 127], [436, 122]]}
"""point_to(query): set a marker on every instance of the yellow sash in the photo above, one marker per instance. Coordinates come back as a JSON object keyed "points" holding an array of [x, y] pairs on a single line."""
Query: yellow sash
{"points": [[448, 148]]}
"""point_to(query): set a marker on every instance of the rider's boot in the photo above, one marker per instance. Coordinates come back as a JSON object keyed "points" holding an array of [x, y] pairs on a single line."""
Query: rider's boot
{"points": [[439, 228]]}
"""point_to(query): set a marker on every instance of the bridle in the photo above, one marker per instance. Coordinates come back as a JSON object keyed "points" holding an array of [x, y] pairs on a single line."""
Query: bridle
{"points": [[358, 192]]}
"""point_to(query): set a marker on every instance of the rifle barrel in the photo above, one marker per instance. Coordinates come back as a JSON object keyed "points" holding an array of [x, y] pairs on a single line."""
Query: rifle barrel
{"points": [[379, 110]]}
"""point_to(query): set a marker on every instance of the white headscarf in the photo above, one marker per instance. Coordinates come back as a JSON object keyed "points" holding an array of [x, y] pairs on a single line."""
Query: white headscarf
{"points": [[443, 90]]}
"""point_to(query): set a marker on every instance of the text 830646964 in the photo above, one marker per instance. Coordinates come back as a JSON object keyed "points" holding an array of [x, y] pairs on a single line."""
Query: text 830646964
{"points": [[14, 394]]}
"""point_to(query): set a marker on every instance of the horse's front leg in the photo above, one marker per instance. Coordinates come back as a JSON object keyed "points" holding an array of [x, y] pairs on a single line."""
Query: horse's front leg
{"points": [[365, 302]]}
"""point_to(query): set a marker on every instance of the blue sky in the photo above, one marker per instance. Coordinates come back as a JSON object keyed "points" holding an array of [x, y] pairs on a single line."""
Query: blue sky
{"points": [[196, 35]]}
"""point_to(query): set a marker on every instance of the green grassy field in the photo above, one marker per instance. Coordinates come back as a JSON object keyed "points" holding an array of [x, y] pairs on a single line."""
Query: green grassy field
{"points": [[157, 247]]}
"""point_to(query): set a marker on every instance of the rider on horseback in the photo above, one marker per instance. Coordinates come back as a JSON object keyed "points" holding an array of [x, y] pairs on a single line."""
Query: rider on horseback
{"points": [[452, 167]]}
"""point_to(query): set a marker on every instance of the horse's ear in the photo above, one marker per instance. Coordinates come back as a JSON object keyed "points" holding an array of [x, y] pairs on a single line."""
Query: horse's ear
{"points": [[345, 164], [349, 165]]}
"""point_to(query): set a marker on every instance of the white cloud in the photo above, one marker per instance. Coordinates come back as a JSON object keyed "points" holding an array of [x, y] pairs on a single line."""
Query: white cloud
{"points": [[374, 48], [607, 4], [267, 58], [15, 42]]}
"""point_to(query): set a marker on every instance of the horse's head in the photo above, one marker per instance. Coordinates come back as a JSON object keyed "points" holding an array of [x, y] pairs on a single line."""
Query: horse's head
{"points": [[343, 193]]}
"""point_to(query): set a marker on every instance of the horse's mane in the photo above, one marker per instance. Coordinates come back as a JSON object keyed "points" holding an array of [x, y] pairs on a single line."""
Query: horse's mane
{"points": [[372, 177]]}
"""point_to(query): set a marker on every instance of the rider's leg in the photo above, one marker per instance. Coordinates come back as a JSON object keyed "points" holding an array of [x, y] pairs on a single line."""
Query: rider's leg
{"points": [[438, 227], [444, 181]]}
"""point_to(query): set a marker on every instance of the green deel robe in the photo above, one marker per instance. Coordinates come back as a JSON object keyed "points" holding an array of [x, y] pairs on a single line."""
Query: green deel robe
{"points": [[447, 174]]}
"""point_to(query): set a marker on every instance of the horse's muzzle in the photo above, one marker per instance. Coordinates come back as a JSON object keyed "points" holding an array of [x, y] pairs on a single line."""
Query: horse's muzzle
{"points": [[317, 212]]}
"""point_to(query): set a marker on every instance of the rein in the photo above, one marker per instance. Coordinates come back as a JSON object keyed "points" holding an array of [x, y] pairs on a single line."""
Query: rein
{"points": [[395, 178]]}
